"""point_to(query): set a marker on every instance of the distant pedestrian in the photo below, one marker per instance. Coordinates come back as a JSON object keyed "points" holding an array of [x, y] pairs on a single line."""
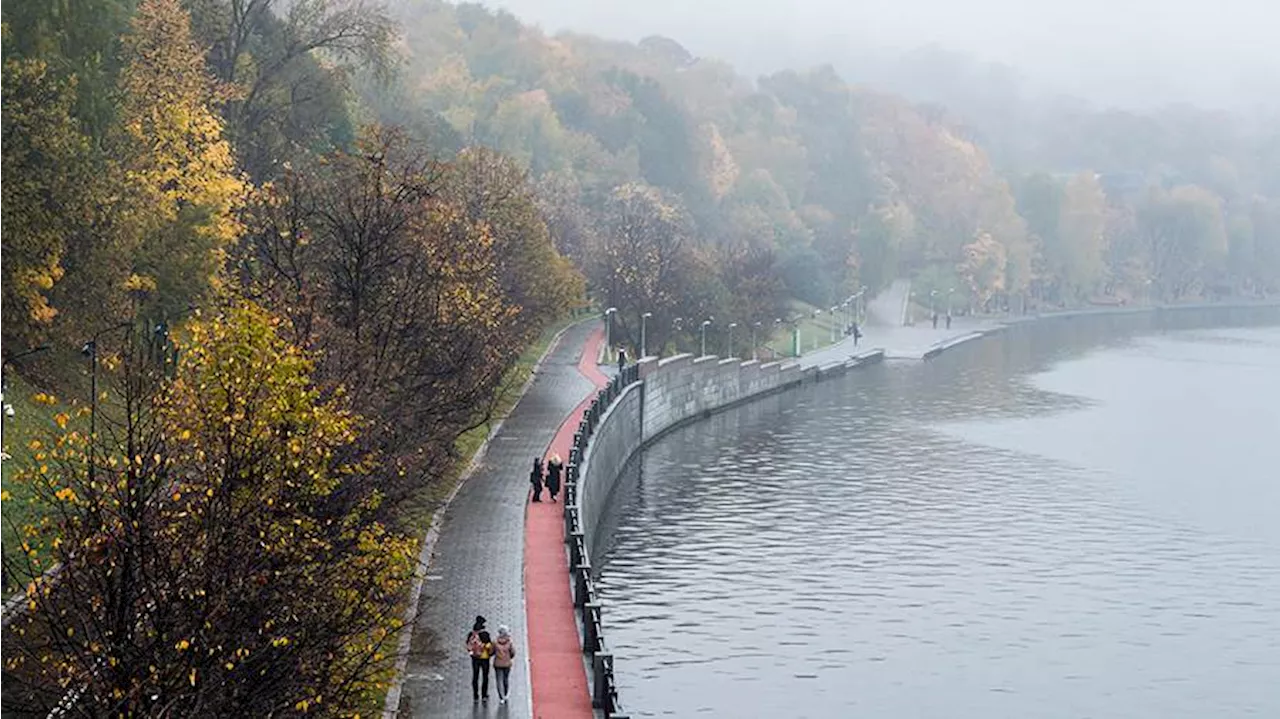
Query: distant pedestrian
{"points": [[935, 320], [479, 648], [622, 358], [948, 320], [504, 651], [857, 334], [535, 479], [555, 471]]}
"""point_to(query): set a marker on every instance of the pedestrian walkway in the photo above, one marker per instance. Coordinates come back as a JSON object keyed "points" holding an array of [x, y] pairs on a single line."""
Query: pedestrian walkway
{"points": [[558, 675], [477, 566]]}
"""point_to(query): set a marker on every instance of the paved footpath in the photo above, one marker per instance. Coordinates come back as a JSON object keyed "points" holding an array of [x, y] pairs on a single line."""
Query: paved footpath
{"points": [[478, 567], [558, 675]]}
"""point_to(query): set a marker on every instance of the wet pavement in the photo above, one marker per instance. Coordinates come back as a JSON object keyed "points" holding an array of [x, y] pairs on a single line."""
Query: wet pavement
{"points": [[478, 563]]}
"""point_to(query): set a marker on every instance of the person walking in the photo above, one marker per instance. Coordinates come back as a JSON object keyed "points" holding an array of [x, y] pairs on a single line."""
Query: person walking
{"points": [[479, 648], [535, 479], [504, 651], [555, 471], [622, 358], [948, 319]]}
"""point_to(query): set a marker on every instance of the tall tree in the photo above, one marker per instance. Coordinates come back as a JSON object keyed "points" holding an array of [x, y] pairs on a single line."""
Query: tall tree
{"points": [[1080, 249], [48, 187], [218, 551], [184, 190], [288, 100]]}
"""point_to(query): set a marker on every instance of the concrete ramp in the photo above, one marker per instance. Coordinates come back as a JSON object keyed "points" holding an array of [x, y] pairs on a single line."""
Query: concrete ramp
{"points": [[888, 309]]}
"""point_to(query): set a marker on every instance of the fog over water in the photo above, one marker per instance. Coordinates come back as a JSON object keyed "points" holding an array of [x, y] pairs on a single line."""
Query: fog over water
{"points": [[1058, 523], [1129, 53]]}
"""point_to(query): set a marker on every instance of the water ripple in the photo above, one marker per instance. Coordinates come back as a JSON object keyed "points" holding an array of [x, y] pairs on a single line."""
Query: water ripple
{"points": [[940, 540]]}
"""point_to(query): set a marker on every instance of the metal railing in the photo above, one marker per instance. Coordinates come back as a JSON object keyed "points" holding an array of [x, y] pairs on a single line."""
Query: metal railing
{"points": [[604, 686]]}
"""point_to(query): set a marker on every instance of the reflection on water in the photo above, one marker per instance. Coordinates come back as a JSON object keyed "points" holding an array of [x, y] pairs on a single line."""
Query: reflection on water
{"points": [[1043, 525]]}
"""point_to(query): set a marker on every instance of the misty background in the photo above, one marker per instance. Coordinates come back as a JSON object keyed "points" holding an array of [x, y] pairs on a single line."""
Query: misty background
{"points": [[1132, 54]]}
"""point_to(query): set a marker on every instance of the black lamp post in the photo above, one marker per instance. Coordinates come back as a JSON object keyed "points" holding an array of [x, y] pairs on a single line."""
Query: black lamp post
{"points": [[90, 350], [4, 457]]}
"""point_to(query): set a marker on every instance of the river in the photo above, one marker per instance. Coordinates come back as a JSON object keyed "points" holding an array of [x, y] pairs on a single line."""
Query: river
{"points": [[1074, 519]]}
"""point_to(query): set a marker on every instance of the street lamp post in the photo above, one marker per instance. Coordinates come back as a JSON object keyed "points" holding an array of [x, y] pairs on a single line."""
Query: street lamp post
{"points": [[644, 345], [608, 329], [5, 412], [731, 326], [90, 350], [705, 324]]}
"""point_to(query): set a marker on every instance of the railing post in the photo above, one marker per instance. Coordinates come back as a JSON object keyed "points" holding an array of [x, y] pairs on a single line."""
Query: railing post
{"points": [[577, 547], [601, 668], [570, 521], [590, 627], [571, 494], [581, 580]]}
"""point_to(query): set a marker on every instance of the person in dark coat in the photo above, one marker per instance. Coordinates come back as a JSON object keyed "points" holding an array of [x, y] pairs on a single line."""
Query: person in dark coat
{"points": [[535, 478], [555, 470], [479, 648], [622, 358]]}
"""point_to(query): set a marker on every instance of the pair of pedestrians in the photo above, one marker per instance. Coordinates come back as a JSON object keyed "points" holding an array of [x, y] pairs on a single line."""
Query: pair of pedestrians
{"points": [[553, 476], [483, 648]]}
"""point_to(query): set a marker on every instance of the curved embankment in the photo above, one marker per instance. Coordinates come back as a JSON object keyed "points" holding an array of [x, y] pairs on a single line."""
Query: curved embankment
{"points": [[645, 402], [654, 397]]}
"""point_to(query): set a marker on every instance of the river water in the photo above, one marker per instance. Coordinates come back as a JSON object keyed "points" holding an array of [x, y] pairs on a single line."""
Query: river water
{"points": [[1075, 519]]}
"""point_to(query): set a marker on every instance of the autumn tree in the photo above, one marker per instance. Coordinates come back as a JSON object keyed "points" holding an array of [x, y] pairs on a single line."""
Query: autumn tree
{"points": [[496, 193], [643, 261], [218, 554], [289, 62], [374, 262], [1184, 235], [1081, 233], [47, 194], [174, 209]]}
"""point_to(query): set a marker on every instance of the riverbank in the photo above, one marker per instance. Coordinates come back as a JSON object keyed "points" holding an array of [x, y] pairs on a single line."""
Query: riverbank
{"points": [[1000, 494], [676, 391]]}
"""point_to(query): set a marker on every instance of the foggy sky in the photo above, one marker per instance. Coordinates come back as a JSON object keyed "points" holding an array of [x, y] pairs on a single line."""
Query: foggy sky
{"points": [[1217, 53]]}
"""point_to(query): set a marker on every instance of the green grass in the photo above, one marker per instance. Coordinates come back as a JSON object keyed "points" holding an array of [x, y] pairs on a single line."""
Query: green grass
{"points": [[30, 420], [815, 332]]}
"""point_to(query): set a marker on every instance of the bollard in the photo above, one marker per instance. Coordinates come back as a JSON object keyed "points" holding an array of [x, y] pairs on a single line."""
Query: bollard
{"points": [[581, 583]]}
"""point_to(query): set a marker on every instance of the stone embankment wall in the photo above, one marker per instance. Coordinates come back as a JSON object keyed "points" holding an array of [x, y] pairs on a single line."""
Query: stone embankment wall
{"points": [[645, 402]]}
